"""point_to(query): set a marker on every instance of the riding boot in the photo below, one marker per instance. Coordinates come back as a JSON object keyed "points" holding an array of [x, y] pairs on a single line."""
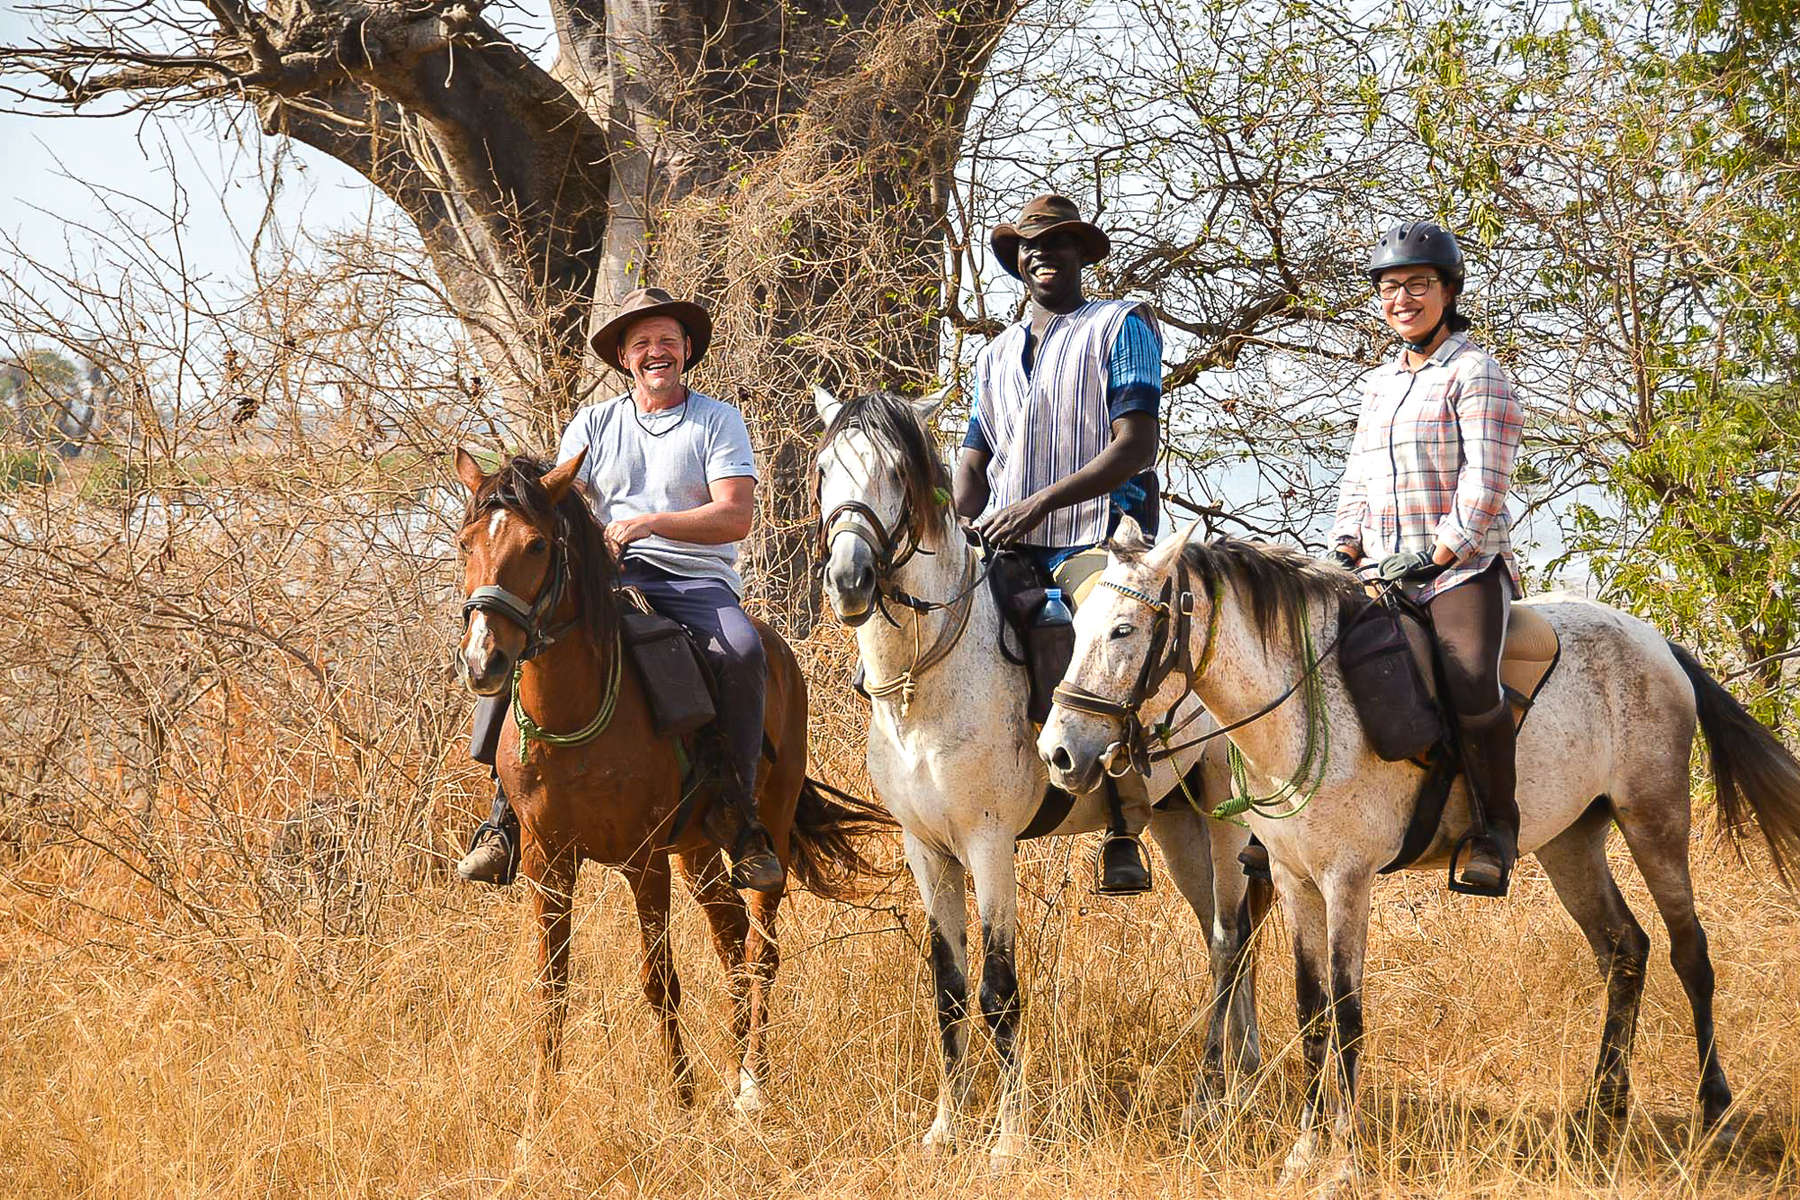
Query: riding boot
{"points": [[1123, 871], [493, 855], [734, 827], [1488, 742]]}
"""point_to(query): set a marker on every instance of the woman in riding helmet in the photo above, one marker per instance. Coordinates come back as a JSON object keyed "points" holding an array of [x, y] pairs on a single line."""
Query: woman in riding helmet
{"points": [[1424, 498]]}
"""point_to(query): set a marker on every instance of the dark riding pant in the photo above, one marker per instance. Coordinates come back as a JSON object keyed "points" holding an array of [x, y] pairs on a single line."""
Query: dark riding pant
{"points": [[1469, 621], [725, 635]]}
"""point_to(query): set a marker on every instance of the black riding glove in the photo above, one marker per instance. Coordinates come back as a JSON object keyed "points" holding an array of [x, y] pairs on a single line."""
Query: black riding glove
{"points": [[1416, 567], [1340, 557]]}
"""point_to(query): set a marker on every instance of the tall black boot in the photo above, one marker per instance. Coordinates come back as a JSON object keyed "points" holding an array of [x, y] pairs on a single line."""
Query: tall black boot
{"points": [[734, 827], [1488, 743], [493, 855]]}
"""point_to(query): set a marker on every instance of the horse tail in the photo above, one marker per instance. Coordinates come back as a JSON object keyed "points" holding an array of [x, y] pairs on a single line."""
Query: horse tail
{"points": [[829, 825], [1754, 775]]}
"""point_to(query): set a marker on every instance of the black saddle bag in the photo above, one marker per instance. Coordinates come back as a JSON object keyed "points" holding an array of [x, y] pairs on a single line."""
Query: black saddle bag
{"points": [[1020, 591], [1399, 715], [676, 682]]}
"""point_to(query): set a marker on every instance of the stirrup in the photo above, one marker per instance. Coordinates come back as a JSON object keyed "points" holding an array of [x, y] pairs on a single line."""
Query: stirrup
{"points": [[1457, 884], [1100, 888]]}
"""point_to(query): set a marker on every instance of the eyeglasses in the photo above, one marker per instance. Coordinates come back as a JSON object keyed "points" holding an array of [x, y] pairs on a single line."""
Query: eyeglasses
{"points": [[1390, 289]]}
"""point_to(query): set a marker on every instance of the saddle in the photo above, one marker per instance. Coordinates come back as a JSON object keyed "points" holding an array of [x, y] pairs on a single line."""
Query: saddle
{"points": [[1391, 670]]}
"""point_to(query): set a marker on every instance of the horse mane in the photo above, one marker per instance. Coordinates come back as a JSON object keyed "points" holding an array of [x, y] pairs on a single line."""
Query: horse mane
{"points": [[1279, 581], [891, 420], [593, 572]]}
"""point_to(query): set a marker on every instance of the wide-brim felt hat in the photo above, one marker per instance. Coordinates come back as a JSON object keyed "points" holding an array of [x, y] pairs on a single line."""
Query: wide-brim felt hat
{"points": [[653, 302], [1042, 215]]}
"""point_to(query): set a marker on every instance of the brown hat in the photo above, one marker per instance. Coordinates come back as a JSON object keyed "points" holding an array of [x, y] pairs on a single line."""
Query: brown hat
{"points": [[653, 302], [1042, 215]]}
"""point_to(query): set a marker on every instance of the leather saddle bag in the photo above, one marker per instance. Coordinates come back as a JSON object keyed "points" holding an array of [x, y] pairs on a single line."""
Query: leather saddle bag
{"points": [[676, 681], [1399, 714]]}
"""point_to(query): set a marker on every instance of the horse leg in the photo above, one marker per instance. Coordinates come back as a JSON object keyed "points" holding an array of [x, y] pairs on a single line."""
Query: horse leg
{"points": [[997, 904], [1347, 942], [729, 921], [552, 883], [1575, 861], [762, 958], [1307, 927], [650, 889], [1655, 824], [941, 881]]}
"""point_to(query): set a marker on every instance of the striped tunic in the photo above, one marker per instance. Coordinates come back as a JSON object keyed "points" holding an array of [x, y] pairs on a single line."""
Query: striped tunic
{"points": [[1432, 462], [1048, 423]]}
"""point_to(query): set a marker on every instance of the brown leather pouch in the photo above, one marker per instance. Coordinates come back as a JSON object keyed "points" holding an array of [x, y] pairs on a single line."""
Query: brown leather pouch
{"points": [[676, 682]]}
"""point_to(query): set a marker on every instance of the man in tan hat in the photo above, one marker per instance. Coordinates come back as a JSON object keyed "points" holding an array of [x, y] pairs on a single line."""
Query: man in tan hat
{"points": [[1063, 439], [670, 474]]}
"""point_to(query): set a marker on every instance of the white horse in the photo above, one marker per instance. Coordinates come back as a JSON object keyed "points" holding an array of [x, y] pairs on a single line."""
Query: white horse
{"points": [[1608, 741], [951, 751]]}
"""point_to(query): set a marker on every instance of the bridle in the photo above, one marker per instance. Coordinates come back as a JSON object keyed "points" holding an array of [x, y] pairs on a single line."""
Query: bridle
{"points": [[1169, 652], [529, 615], [1174, 613], [891, 553]]}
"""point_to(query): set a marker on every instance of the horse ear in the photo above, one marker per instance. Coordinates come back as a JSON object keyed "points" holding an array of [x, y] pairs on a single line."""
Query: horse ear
{"points": [[468, 470], [826, 403], [1164, 557], [928, 406], [561, 477], [1129, 535]]}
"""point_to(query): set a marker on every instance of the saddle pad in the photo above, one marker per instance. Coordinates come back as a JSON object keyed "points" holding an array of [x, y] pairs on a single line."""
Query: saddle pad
{"points": [[1531, 651], [1078, 575]]}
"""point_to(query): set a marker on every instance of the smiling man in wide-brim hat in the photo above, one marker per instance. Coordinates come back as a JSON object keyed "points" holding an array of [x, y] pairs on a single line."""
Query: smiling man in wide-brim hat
{"points": [[669, 473], [649, 302], [1063, 440], [1039, 218]]}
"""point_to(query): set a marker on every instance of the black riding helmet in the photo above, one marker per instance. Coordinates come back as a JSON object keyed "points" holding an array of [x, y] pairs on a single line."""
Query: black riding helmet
{"points": [[1422, 244], [1417, 244]]}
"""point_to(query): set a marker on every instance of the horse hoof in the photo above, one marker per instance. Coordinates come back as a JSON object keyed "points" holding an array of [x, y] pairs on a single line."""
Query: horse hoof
{"points": [[1008, 1153], [749, 1100], [1298, 1163], [1343, 1182], [938, 1140], [1718, 1136]]}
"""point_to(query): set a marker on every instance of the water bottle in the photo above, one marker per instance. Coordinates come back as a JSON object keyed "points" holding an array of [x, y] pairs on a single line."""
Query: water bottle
{"points": [[1052, 645]]}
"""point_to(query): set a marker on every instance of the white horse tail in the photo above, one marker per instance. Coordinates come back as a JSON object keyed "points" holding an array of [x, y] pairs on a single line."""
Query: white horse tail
{"points": [[1751, 769]]}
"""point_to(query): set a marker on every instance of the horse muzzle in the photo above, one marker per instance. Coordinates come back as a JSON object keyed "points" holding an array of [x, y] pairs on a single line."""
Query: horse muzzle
{"points": [[849, 580], [483, 666]]}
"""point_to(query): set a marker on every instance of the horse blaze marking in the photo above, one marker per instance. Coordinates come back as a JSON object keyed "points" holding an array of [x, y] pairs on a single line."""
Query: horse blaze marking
{"points": [[495, 521]]}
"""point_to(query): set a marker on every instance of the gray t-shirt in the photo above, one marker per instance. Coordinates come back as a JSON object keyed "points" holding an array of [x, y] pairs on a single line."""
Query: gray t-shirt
{"points": [[664, 461]]}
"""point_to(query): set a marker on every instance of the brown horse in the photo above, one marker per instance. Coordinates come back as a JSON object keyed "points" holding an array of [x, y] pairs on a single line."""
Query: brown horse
{"points": [[611, 792]]}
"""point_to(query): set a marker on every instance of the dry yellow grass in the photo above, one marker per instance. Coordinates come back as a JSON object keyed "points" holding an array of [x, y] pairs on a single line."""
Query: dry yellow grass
{"points": [[398, 1063]]}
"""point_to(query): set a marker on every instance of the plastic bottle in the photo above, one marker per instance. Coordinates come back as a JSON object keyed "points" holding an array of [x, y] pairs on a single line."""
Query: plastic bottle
{"points": [[1052, 646]]}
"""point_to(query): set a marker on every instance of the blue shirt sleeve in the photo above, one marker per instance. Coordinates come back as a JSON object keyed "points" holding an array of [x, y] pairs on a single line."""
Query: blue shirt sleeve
{"points": [[1134, 373], [976, 437]]}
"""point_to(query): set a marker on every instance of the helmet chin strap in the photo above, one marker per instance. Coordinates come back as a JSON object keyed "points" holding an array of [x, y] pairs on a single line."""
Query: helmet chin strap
{"points": [[1424, 343]]}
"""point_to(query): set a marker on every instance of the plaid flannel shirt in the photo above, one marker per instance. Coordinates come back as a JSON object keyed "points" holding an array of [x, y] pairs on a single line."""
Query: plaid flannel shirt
{"points": [[1432, 462]]}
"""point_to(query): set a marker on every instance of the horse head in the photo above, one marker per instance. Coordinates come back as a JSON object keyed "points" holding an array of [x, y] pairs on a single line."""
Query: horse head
{"points": [[1125, 635], [515, 546], [881, 490]]}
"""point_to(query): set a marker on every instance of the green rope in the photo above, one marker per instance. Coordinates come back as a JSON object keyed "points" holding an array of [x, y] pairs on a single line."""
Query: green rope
{"points": [[530, 731], [1308, 776]]}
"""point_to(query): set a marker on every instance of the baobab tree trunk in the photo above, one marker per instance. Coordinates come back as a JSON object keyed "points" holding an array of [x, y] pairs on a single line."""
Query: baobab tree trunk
{"points": [[660, 147]]}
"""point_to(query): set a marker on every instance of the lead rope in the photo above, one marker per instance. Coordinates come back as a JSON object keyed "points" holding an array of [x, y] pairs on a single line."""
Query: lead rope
{"points": [[530, 731]]}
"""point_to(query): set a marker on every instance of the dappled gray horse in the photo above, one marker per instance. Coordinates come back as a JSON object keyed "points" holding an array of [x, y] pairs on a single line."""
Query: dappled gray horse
{"points": [[951, 750], [1608, 741]]}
